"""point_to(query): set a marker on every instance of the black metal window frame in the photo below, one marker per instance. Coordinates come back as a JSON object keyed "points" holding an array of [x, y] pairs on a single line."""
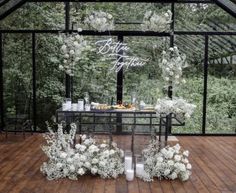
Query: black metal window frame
{"points": [[120, 34]]}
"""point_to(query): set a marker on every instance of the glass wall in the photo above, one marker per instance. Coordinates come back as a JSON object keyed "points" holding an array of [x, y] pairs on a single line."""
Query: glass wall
{"points": [[17, 77], [221, 99]]}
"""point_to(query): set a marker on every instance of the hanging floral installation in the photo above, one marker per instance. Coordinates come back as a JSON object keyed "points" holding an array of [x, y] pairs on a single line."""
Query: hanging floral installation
{"points": [[172, 65], [157, 22], [100, 21], [69, 160], [165, 163], [72, 51], [180, 107]]}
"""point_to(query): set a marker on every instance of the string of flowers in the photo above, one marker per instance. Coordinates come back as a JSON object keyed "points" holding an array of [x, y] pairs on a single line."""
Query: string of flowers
{"points": [[65, 161], [72, 49], [157, 22], [172, 65], [168, 162], [100, 21], [180, 107]]}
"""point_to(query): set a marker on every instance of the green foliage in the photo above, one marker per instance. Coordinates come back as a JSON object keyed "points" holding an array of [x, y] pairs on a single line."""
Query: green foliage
{"points": [[92, 73]]}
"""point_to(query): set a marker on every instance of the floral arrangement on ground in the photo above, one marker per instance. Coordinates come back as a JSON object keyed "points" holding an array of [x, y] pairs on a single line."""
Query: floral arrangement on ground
{"points": [[70, 160], [105, 160], [165, 163]]}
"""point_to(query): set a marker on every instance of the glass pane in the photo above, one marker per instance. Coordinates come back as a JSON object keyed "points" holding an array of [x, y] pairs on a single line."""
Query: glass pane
{"points": [[221, 101], [17, 76], [192, 90], [50, 80], [36, 16]]}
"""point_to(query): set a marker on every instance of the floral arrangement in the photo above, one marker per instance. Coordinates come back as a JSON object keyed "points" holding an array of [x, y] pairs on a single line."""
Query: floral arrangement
{"points": [[100, 21], [73, 46], [155, 22], [67, 159], [178, 106], [168, 162], [172, 65]]}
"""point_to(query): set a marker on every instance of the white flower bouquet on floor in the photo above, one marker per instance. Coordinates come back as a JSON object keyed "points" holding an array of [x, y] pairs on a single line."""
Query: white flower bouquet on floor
{"points": [[67, 161], [178, 106], [157, 22], [100, 21], [168, 162]]}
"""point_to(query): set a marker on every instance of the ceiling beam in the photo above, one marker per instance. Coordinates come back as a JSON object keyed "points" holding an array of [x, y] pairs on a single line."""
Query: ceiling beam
{"points": [[9, 7], [228, 6]]}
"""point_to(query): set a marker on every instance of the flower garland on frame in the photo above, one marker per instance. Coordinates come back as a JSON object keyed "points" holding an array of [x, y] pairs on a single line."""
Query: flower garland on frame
{"points": [[172, 65], [100, 21], [157, 22], [72, 49], [180, 107]]}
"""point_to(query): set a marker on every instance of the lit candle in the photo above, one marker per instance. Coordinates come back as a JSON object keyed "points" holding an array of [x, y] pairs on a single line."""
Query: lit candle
{"points": [[128, 163], [139, 169], [129, 175]]}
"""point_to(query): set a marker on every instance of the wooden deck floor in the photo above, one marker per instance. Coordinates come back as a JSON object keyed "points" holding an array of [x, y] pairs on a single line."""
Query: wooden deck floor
{"points": [[213, 160]]}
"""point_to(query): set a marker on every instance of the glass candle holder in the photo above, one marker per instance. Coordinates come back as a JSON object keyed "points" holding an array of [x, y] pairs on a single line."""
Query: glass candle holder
{"points": [[81, 104], [128, 160], [139, 165], [87, 107], [74, 107]]}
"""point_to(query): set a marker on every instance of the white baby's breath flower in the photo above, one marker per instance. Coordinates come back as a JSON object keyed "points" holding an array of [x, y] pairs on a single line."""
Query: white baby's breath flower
{"points": [[103, 145], [69, 160], [173, 176], [186, 153], [59, 165], [63, 155], [72, 168], [189, 166], [81, 171], [94, 161], [177, 158], [94, 170]]}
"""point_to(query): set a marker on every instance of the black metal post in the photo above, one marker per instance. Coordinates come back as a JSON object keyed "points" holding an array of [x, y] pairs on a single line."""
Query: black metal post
{"points": [[170, 88], [67, 28], [205, 67], [119, 86], [1, 83], [34, 80], [172, 25]]}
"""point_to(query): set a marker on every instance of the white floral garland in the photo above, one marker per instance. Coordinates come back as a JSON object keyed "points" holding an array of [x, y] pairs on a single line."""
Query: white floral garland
{"points": [[168, 162], [178, 106], [156, 22], [72, 49], [66, 161], [172, 65], [100, 21]]}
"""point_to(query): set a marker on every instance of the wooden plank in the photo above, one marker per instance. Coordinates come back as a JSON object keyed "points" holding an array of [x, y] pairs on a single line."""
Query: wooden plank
{"points": [[121, 185], [133, 186], [143, 186], [155, 186], [167, 186]]}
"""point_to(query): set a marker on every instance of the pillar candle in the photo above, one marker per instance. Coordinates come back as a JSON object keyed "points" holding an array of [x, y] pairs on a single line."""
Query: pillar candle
{"points": [[139, 169], [129, 175]]}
